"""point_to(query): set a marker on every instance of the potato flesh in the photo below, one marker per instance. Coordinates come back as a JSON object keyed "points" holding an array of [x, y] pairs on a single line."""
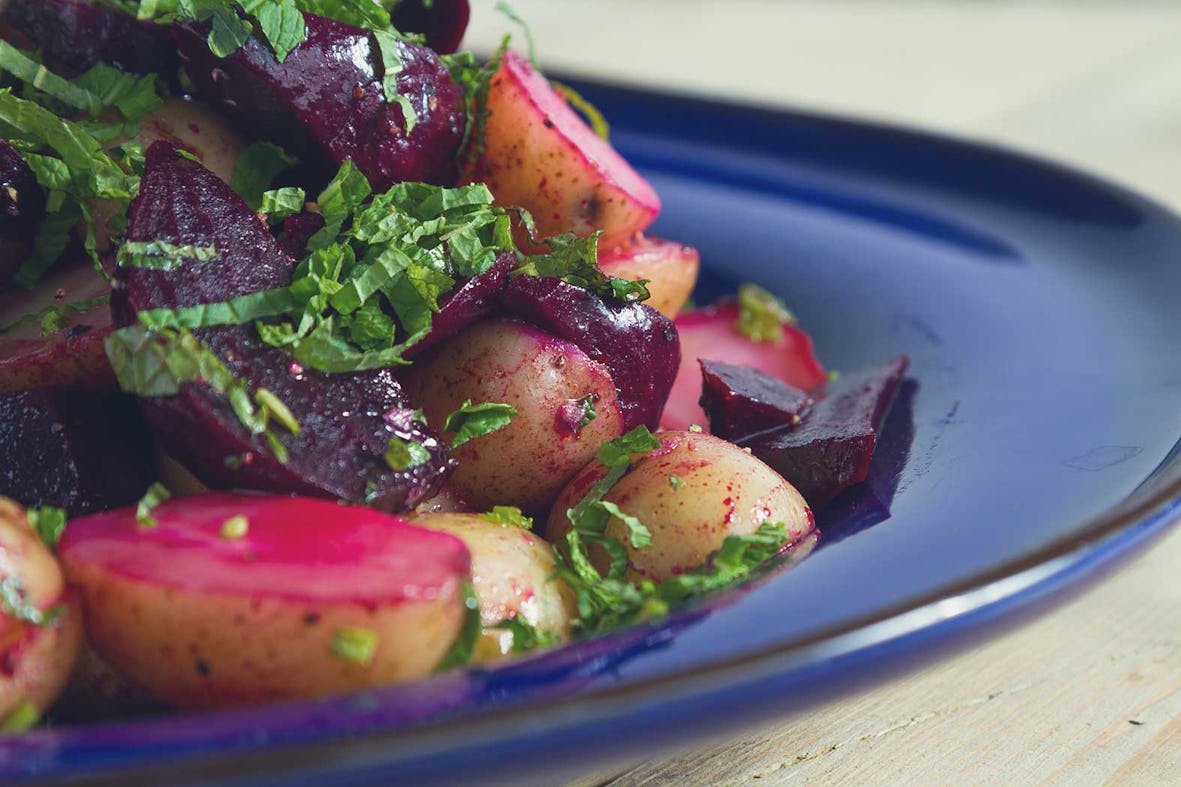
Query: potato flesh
{"points": [[669, 268], [691, 493], [38, 659], [237, 650], [526, 463], [512, 572]]}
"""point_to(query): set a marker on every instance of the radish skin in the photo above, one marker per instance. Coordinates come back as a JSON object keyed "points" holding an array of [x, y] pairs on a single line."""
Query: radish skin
{"points": [[540, 155]]}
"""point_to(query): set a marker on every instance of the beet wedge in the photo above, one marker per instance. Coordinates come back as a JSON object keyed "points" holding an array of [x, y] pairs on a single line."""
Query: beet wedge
{"points": [[441, 22], [343, 434], [22, 206], [326, 102], [831, 448], [80, 450], [73, 36]]}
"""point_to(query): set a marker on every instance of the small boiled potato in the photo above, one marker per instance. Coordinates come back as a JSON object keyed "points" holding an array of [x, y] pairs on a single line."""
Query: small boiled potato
{"points": [[38, 658], [197, 128], [513, 575], [538, 154], [670, 269], [690, 493], [547, 380], [229, 600]]}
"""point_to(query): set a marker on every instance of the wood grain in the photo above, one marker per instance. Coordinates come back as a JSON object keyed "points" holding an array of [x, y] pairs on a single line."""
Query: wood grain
{"points": [[1089, 694]]}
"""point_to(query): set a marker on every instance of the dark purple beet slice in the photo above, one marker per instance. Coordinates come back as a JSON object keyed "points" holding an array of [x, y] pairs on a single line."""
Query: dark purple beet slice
{"points": [[638, 345], [467, 303], [298, 230], [339, 449], [79, 450], [830, 450], [22, 206], [443, 22], [325, 102], [741, 400], [74, 36]]}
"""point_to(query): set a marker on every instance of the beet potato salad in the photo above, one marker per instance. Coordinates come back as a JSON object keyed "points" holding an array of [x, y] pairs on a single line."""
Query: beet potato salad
{"points": [[332, 357]]}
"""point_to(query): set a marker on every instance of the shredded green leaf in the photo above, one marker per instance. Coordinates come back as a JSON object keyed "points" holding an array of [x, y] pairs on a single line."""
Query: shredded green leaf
{"points": [[358, 645], [525, 636], [464, 647], [161, 255], [156, 494], [391, 60], [49, 522], [14, 600], [761, 315], [22, 718], [476, 420], [402, 455], [256, 168], [508, 516], [594, 117], [235, 527]]}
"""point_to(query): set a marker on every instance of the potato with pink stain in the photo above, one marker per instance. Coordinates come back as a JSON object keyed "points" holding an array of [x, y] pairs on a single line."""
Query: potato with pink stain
{"points": [[36, 658], [513, 576], [554, 387], [690, 493]]}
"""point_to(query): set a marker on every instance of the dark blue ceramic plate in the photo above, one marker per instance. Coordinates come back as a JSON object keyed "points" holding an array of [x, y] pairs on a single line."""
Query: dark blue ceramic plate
{"points": [[1037, 442]]}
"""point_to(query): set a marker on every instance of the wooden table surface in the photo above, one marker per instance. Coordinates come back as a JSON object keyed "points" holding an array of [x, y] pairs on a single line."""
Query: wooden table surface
{"points": [[1090, 693]]}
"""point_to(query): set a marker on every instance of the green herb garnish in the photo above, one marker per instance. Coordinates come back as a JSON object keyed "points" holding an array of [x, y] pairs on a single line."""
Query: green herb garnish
{"points": [[49, 522], [156, 494], [761, 315], [508, 516], [476, 420], [357, 645]]}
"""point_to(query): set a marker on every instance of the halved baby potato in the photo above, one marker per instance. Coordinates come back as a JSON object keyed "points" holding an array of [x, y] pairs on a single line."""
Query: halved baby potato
{"points": [[225, 600], [691, 493]]}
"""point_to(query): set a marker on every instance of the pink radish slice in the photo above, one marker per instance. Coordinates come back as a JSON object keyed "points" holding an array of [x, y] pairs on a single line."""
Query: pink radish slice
{"points": [[540, 155], [294, 548], [711, 334], [71, 352]]}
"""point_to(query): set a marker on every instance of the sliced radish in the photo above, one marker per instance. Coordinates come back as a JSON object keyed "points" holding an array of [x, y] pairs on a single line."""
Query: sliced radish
{"points": [[539, 154], [669, 267], [234, 600], [711, 334]]}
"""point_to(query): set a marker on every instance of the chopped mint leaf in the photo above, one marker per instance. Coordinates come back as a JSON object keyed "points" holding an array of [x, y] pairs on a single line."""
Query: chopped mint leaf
{"points": [[761, 315], [588, 110], [391, 60], [272, 407], [49, 522], [256, 168], [228, 32], [22, 718], [14, 600], [358, 645], [475, 79], [638, 535], [464, 646], [281, 23], [235, 527], [513, 16], [281, 203], [575, 260], [509, 516], [402, 455], [589, 414], [675, 482], [476, 420], [157, 493], [54, 318], [161, 255], [619, 452], [339, 199], [525, 636]]}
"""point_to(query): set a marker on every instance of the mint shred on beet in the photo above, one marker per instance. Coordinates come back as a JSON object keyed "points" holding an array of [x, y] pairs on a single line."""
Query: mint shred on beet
{"points": [[338, 449]]}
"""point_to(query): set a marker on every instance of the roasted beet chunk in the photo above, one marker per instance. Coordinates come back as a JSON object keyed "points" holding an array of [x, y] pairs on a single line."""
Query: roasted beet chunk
{"points": [[73, 36], [467, 303], [78, 450], [443, 22], [22, 206], [343, 434], [325, 102], [637, 344], [741, 401], [830, 450]]}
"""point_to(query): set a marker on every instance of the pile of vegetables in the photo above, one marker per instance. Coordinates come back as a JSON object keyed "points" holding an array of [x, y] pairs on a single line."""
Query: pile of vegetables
{"points": [[330, 358]]}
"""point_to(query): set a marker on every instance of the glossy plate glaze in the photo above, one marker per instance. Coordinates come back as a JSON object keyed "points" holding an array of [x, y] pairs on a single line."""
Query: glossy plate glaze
{"points": [[1037, 442]]}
